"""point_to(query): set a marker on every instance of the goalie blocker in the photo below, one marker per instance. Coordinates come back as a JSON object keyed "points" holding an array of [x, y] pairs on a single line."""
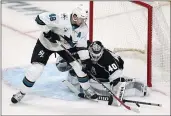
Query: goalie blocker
{"points": [[106, 67]]}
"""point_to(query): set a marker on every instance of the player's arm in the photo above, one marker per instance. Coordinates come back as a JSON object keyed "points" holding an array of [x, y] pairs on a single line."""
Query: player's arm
{"points": [[83, 52], [47, 22]]}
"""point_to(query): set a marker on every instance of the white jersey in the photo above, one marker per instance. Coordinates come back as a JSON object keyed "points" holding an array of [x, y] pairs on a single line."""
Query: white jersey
{"points": [[60, 24]]}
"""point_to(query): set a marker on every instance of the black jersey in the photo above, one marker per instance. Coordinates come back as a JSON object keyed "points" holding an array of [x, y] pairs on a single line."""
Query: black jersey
{"points": [[106, 65]]}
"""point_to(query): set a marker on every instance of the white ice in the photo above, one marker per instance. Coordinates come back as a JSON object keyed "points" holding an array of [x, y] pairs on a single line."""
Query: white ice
{"points": [[17, 49]]}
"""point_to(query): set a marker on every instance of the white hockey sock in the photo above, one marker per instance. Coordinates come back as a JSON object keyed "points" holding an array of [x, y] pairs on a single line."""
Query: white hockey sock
{"points": [[32, 74]]}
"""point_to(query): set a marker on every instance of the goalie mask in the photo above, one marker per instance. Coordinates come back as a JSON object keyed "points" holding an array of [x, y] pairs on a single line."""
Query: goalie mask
{"points": [[96, 50]]}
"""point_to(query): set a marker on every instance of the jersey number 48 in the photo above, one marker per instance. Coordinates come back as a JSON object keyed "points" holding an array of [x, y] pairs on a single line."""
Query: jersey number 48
{"points": [[52, 17]]}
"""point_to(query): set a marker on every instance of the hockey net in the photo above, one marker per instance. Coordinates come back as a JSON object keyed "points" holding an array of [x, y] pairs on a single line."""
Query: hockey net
{"points": [[139, 32]]}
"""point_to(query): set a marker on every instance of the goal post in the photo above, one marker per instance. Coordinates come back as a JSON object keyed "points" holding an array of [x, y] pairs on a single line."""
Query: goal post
{"points": [[133, 26]]}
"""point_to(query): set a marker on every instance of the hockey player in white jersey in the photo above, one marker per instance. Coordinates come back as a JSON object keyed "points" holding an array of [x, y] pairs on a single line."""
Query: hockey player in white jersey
{"points": [[71, 30], [108, 68]]}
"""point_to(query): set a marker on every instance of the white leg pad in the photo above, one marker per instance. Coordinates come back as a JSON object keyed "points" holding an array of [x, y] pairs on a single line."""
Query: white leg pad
{"points": [[119, 91]]}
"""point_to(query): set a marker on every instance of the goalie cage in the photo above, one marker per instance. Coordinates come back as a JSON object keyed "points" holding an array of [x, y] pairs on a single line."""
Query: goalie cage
{"points": [[136, 30]]}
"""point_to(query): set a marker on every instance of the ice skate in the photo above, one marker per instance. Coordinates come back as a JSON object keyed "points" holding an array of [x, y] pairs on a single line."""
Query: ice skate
{"points": [[17, 97]]}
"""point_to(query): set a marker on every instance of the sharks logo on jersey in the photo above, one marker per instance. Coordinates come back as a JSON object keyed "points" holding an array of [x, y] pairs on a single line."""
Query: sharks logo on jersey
{"points": [[64, 16]]}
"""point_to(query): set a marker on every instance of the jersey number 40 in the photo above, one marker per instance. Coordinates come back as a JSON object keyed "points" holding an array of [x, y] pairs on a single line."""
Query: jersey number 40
{"points": [[112, 67]]}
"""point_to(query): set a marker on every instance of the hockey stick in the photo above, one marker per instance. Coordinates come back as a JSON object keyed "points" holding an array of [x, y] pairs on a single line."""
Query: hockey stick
{"points": [[139, 102], [76, 92], [110, 92], [126, 106], [107, 98]]}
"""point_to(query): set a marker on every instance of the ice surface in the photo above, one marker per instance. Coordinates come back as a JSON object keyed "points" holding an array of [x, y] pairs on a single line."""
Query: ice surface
{"points": [[17, 48]]}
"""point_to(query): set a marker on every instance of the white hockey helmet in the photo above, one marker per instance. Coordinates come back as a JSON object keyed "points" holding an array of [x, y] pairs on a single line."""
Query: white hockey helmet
{"points": [[81, 12]]}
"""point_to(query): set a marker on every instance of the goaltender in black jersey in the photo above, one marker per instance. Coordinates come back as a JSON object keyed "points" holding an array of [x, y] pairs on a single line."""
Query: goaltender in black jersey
{"points": [[108, 68]]}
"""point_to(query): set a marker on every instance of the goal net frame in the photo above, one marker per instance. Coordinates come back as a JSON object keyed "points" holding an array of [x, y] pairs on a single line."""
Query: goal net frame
{"points": [[149, 35]]}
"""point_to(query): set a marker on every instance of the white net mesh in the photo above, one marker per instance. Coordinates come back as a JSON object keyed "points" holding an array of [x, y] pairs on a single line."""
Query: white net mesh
{"points": [[124, 26], [161, 44]]}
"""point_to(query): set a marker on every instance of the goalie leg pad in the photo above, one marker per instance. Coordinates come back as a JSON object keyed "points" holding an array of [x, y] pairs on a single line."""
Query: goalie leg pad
{"points": [[119, 91], [136, 88]]}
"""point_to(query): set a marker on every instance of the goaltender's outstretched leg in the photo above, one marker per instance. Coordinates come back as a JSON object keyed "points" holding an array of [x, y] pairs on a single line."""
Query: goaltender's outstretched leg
{"points": [[109, 67], [121, 87]]}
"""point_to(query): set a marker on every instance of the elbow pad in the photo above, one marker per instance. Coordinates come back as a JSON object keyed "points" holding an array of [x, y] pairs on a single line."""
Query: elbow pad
{"points": [[39, 21]]}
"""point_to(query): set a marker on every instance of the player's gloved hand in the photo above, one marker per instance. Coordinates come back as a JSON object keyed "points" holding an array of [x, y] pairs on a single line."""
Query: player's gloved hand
{"points": [[69, 40], [51, 36], [86, 65]]}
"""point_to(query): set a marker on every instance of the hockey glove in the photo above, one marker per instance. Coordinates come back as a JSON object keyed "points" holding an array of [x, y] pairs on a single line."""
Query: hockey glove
{"points": [[86, 65], [69, 40], [51, 36]]}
